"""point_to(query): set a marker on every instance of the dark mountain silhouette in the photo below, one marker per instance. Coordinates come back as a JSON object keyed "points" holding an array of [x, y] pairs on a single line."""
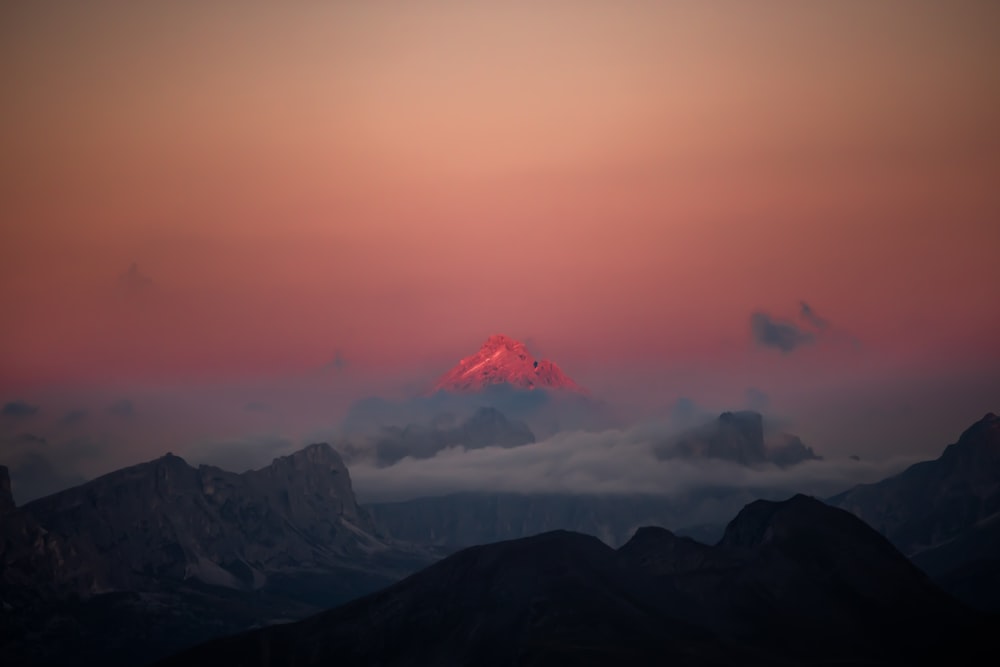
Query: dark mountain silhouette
{"points": [[6, 497], [177, 554], [794, 582], [737, 437], [945, 513]]}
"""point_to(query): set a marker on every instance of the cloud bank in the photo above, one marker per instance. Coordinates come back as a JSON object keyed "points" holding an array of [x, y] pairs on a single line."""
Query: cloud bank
{"points": [[608, 462]]}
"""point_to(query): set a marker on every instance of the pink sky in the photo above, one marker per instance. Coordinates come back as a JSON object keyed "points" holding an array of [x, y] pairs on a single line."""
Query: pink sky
{"points": [[621, 184]]}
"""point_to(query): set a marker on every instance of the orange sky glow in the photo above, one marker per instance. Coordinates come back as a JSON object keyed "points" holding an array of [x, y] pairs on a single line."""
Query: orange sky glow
{"points": [[619, 183]]}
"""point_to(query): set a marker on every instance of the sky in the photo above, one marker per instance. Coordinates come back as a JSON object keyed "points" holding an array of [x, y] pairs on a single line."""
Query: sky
{"points": [[224, 223]]}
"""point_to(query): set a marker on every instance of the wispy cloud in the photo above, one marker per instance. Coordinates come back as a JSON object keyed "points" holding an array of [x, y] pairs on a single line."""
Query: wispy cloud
{"points": [[807, 313], [778, 334], [122, 408], [18, 409]]}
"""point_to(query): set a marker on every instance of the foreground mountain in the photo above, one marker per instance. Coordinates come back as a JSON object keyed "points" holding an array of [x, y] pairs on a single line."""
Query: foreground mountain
{"points": [[177, 554], [503, 360], [945, 513], [795, 582]]}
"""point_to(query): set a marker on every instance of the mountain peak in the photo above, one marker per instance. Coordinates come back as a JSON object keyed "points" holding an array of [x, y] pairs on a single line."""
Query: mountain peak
{"points": [[801, 519], [316, 453], [497, 341], [504, 360]]}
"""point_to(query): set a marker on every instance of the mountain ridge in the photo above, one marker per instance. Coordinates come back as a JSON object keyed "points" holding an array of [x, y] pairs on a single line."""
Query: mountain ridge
{"points": [[567, 598], [944, 513], [145, 560]]}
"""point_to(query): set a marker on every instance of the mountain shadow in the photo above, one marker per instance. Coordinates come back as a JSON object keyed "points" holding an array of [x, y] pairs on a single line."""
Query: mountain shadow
{"points": [[793, 582]]}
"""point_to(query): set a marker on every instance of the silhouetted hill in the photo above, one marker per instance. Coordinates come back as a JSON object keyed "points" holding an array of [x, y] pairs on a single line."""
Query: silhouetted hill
{"points": [[795, 582]]}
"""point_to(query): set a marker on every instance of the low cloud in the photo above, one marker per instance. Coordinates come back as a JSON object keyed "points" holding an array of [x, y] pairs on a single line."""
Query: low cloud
{"points": [[685, 413], [18, 409], [337, 364], [133, 281], [33, 476], [608, 462], [122, 408], [787, 336], [488, 427], [778, 334], [73, 417], [756, 399], [39, 468]]}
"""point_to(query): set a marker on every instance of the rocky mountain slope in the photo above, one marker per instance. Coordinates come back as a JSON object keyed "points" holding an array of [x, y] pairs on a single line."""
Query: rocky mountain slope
{"points": [[165, 537], [945, 513]]}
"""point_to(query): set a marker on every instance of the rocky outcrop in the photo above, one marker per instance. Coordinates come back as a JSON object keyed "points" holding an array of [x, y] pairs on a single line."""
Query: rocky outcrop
{"points": [[149, 559], [932, 502], [737, 437], [166, 520], [503, 360]]}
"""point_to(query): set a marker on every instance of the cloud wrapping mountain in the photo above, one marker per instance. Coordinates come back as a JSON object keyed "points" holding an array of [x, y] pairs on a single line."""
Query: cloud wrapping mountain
{"points": [[612, 461]]}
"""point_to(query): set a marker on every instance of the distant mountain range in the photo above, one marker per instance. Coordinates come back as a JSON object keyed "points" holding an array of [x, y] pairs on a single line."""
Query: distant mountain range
{"points": [[461, 520], [945, 513], [486, 427], [503, 360], [545, 411], [179, 554], [795, 582]]}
